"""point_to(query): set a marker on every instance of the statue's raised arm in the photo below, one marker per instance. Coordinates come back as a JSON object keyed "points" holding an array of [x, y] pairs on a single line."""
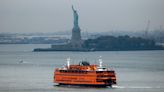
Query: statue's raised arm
{"points": [[73, 8], [75, 17]]}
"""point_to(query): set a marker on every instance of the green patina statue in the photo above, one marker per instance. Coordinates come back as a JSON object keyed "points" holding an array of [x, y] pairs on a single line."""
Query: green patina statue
{"points": [[75, 17]]}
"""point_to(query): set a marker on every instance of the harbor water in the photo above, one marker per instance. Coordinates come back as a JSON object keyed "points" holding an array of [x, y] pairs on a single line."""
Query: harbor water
{"points": [[22, 70]]}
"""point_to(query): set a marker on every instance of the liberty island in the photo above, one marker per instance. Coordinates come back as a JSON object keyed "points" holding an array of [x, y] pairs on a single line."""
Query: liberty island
{"points": [[75, 43]]}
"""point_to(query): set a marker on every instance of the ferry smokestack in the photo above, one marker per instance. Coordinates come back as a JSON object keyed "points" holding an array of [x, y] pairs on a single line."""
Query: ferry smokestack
{"points": [[100, 61], [68, 62]]}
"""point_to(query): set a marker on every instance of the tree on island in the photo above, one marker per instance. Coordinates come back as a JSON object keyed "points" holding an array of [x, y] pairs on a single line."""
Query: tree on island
{"points": [[110, 43]]}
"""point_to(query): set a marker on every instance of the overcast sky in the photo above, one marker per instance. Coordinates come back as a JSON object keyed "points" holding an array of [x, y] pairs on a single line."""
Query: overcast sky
{"points": [[94, 15]]}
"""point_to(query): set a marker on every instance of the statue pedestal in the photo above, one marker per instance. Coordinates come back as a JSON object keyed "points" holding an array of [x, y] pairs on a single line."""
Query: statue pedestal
{"points": [[76, 37]]}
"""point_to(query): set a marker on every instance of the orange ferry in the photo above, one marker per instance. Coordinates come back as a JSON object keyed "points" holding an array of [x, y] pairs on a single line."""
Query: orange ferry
{"points": [[85, 74]]}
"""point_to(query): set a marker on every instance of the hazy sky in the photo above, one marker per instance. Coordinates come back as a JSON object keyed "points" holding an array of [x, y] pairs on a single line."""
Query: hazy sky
{"points": [[94, 15]]}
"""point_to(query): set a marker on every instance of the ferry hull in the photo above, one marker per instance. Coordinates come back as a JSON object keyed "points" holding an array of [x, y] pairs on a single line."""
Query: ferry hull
{"points": [[85, 78], [85, 85]]}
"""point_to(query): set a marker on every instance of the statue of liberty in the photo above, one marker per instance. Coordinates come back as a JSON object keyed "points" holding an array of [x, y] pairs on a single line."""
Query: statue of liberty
{"points": [[76, 41], [75, 17]]}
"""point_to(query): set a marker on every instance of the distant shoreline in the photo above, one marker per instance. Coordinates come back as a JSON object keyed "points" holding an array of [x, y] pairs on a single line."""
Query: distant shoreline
{"points": [[109, 43], [41, 50]]}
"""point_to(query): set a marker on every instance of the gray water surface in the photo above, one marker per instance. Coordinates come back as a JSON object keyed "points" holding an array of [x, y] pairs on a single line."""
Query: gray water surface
{"points": [[137, 71]]}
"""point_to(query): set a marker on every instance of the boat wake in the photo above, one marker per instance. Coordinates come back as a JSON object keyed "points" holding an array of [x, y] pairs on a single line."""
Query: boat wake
{"points": [[136, 87], [22, 62]]}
